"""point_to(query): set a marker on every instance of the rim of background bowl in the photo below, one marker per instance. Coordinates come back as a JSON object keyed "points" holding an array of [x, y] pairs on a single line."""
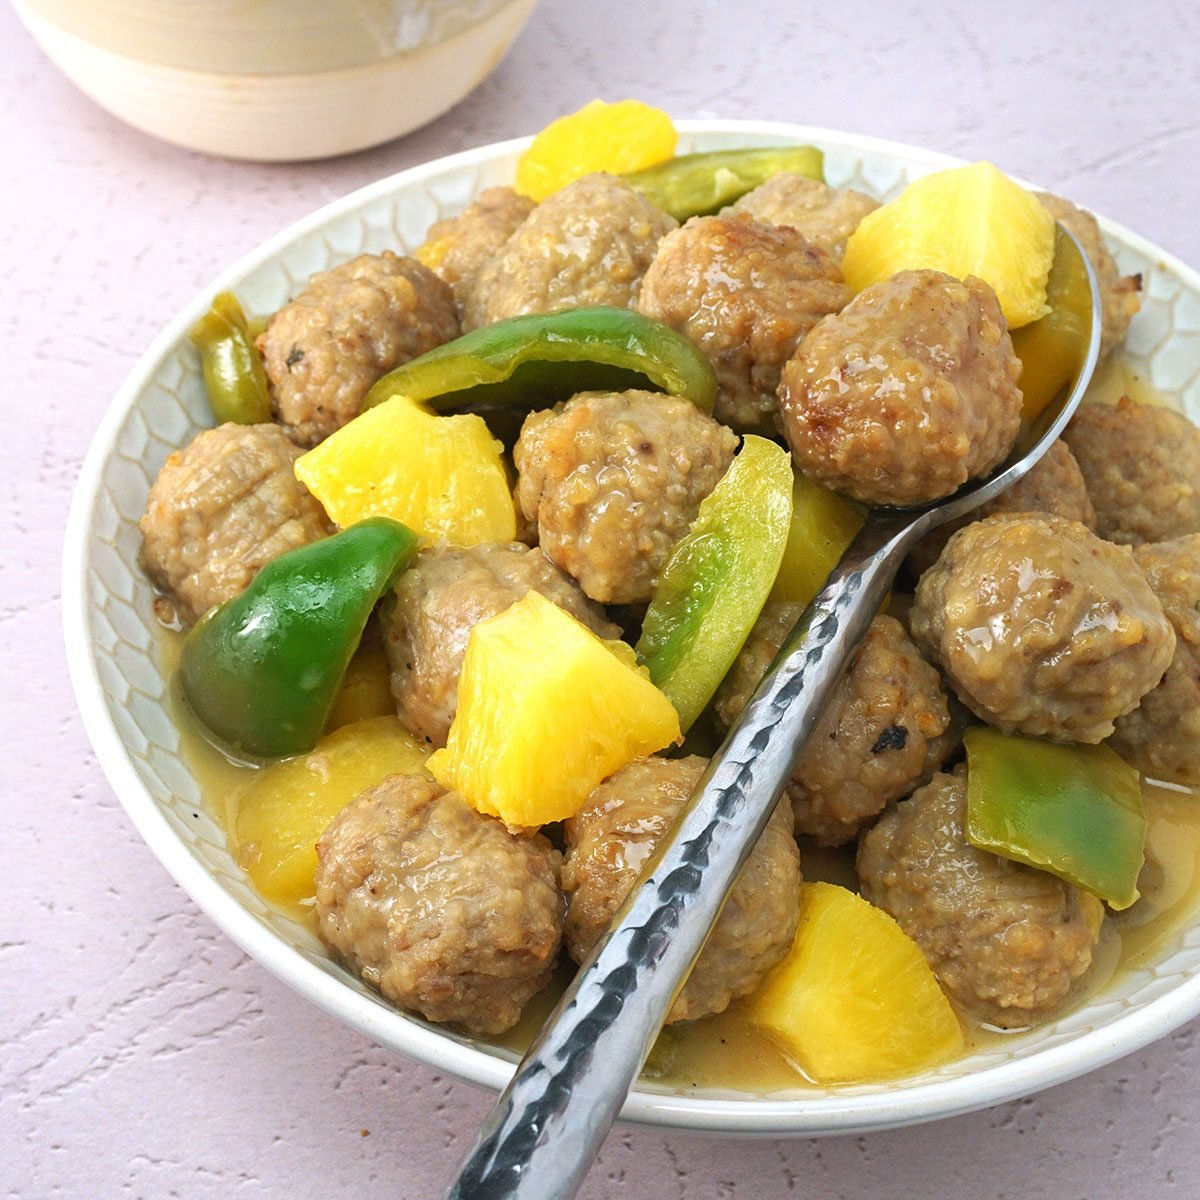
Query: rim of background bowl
{"points": [[799, 1116]]}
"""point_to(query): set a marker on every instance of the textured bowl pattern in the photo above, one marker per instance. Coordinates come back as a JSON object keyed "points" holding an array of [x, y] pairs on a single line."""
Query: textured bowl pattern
{"points": [[123, 694]]}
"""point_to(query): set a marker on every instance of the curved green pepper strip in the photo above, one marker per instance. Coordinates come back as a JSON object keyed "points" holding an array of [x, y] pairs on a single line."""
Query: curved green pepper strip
{"points": [[694, 184], [718, 578], [823, 525], [1075, 811], [262, 670], [534, 361], [233, 371]]}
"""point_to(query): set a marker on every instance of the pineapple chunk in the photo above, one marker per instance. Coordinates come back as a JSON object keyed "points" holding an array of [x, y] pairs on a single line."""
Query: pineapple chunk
{"points": [[855, 999], [441, 476], [546, 710], [366, 689], [619, 138], [285, 810], [968, 221]]}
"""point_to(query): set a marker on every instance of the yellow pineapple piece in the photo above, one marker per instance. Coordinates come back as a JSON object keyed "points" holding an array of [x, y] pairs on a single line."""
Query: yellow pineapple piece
{"points": [[855, 999], [431, 254], [621, 137], [971, 220], [546, 710], [366, 689], [288, 806], [823, 525], [443, 476]]}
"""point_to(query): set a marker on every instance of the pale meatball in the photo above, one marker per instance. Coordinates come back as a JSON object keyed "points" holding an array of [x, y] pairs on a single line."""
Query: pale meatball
{"points": [[439, 907], [825, 216], [221, 509], [1141, 465], [745, 293], [1119, 294], [885, 730], [1041, 627], [589, 243], [1054, 485], [348, 328], [907, 393], [614, 480], [1161, 737], [436, 603], [608, 843], [463, 245], [1005, 940]]}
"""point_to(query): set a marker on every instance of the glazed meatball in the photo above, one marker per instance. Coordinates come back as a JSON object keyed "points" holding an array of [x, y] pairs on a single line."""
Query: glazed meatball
{"points": [[1119, 294], [1041, 627], [439, 907], [438, 601], [885, 730], [907, 393], [1005, 940], [1161, 737], [608, 843], [349, 327], [220, 510], [464, 244], [745, 293], [1054, 485], [613, 480], [825, 216], [589, 243], [1141, 465]]}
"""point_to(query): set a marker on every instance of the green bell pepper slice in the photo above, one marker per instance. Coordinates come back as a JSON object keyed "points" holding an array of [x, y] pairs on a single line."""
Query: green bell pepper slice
{"points": [[691, 185], [234, 376], [717, 578], [1051, 348], [261, 671], [823, 525], [534, 361], [1075, 811]]}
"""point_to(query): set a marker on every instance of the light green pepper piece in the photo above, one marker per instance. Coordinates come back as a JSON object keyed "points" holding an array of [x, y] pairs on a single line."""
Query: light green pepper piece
{"points": [[1075, 811]]}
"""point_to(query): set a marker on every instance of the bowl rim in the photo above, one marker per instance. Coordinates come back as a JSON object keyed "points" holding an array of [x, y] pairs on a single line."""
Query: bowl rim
{"points": [[851, 1112]]}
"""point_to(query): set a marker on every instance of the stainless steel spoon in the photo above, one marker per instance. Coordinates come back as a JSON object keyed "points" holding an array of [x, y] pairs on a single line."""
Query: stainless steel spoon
{"points": [[539, 1140]]}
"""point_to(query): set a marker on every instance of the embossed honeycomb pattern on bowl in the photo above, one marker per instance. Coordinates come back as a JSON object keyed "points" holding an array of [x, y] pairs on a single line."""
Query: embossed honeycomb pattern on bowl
{"points": [[125, 700]]}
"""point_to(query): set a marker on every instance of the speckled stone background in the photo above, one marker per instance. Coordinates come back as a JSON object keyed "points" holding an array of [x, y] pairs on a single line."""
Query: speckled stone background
{"points": [[143, 1055]]}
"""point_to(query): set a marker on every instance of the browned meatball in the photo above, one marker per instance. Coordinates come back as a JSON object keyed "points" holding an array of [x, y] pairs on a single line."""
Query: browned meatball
{"points": [[439, 907], [1055, 486], [1161, 737], [745, 293], [907, 393], [438, 601], [349, 327], [608, 843], [589, 243], [463, 245], [1041, 627], [825, 216], [1141, 465], [1119, 294], [613, 480], [885, 730], [1005, 940], [220, 510]]}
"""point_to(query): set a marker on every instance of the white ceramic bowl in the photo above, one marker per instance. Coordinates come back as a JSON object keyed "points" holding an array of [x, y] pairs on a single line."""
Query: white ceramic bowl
{"points": [[277, 80], [110, 631]]}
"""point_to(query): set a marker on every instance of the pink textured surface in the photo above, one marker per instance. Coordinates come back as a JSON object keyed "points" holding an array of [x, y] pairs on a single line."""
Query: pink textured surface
{"points": [[144, 1055]]}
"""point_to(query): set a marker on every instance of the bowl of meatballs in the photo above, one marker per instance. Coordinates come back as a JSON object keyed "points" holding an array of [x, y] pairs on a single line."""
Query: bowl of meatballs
{"points": [[242, 489]]}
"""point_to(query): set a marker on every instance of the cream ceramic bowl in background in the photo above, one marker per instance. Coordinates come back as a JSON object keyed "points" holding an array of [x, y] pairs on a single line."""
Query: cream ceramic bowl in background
{"points": [[123, 695], [275, 80]]}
